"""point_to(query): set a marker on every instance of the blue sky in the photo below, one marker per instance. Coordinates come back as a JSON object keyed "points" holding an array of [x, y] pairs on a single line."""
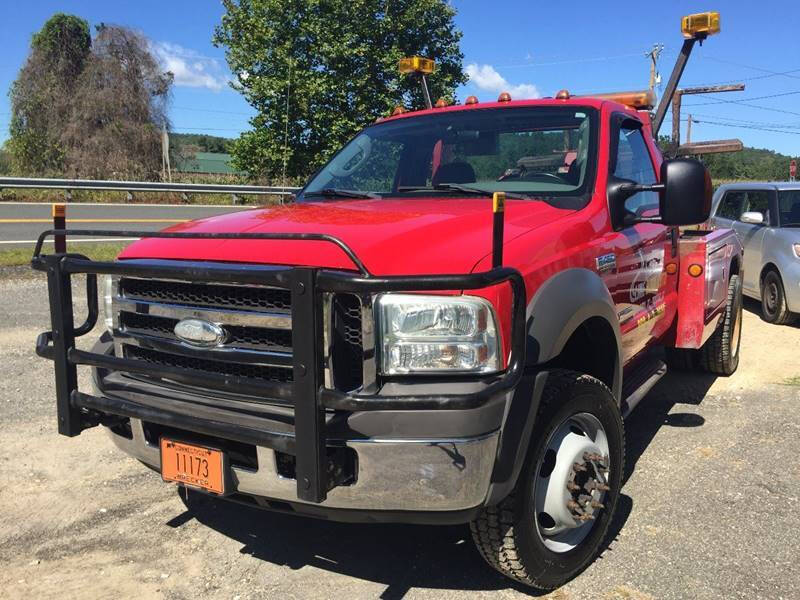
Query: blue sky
{"points": [[528, 48]]}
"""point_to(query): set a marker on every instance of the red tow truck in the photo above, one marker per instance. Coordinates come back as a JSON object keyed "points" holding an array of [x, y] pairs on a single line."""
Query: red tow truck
{"points": [[447, 325]]}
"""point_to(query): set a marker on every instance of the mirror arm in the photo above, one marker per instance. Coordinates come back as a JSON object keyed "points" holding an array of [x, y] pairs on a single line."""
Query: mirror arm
{"points": [[635, 188]]}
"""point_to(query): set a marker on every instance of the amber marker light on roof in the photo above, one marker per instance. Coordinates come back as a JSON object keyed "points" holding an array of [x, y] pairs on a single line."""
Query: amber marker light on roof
{"points": [[441, 103], [644, 100], [562, 95], [471, 100], [700, 24], [416, 64], [398, 110], [504, 97]]}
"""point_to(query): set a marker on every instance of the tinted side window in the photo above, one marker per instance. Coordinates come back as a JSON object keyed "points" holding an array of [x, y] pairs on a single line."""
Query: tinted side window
{"points": [[789, 207], [731, 206], [634, 163], [758, 201]]}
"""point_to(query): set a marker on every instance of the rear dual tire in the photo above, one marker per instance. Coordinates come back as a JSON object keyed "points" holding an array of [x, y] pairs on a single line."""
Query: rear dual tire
{"points": [[519, 537], [720, 354]]}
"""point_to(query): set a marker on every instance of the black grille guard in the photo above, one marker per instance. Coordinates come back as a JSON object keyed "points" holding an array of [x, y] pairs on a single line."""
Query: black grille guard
{"points": [[306, 393]]}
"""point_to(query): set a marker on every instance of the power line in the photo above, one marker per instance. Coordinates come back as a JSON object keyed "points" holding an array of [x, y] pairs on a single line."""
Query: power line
{"points": [[566, 61], [212, 110], [762, 69], [741, 126], [716, 101], [740, 79]]}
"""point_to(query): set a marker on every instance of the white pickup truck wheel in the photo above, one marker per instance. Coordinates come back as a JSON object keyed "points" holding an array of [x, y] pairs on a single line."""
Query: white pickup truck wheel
{"points": [[557, 518]]}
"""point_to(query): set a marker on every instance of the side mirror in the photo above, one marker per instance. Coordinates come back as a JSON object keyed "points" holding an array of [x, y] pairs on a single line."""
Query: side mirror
{"points": [[752, 217], [686, 196]]}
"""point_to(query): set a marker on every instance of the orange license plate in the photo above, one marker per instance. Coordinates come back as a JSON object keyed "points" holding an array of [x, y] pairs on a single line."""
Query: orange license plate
{"points": [[192, 465]]}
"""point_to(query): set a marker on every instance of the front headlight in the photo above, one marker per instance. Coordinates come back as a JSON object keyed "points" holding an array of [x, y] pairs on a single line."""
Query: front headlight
{"points": [[437, 334], [108, 289]]}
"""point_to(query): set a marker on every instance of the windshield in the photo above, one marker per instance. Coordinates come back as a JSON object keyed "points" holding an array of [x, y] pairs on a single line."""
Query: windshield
{"points": [[530, 151], [789, 208]]}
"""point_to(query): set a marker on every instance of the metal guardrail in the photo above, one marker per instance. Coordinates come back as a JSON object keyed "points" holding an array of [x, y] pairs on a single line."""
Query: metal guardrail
{"points": [[68, 185]]}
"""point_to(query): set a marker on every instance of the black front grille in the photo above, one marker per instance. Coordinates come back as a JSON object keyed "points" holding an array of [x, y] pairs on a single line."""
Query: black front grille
{"points": [[266, 373], [207, 294], [252, 338], [347, 346]]}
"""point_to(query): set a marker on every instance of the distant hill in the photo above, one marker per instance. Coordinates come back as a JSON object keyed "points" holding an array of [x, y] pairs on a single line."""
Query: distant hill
{"points": [[201, 142], [751, 163]]}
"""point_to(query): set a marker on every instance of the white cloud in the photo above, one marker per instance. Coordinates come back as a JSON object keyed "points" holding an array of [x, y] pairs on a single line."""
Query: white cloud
{"points": [[486, 78], [190, 68]]}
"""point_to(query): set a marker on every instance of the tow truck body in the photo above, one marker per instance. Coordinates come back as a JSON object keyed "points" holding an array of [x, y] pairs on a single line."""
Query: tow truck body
{"points": [[262, 338]]}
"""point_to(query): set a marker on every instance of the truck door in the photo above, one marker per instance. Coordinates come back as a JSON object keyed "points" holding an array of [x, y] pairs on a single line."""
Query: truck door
{"points": [[645, 297]]}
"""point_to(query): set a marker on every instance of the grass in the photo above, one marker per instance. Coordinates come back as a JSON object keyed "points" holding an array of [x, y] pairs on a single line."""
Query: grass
{"points": [[97, 251], [792, 381]]}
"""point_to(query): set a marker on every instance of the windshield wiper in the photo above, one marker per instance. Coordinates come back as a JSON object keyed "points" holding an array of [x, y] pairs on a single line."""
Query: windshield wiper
{"points": [[457, 187], [340, 193]]}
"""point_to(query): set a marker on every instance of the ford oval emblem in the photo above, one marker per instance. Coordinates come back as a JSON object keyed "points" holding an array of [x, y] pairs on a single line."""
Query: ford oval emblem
{"points": [[198, 332]]}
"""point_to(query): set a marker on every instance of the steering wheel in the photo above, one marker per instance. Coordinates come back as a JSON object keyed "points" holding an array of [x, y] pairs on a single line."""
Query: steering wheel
{"points": [[349, 160]]}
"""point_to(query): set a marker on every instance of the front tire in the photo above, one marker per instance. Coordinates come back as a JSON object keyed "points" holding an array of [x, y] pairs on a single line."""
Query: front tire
{"points": [[555, 521], [773, 300]]}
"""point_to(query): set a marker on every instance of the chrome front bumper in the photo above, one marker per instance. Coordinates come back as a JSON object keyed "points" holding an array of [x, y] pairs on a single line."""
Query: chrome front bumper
{"points": [[404, 475]]}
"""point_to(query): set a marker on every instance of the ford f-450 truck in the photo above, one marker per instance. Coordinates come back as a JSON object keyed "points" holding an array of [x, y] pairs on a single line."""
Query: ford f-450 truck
{"points": [[447, 325]]}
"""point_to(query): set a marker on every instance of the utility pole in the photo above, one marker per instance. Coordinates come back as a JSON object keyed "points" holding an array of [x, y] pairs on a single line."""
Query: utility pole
{"points": [[678, 96], [689, 130], [653, 54]]}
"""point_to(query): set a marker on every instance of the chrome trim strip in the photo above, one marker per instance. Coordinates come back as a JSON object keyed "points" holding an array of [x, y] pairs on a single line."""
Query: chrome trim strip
{"points": [[368, 347], [266, 320], [220, 353]]}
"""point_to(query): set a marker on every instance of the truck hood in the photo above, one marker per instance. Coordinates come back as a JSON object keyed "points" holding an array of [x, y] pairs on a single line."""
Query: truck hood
{"points": [[390, 236]]}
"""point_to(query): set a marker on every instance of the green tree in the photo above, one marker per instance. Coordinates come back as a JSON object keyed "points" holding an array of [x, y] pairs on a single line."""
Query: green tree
{"points": [[336, 64], [41, 95]]}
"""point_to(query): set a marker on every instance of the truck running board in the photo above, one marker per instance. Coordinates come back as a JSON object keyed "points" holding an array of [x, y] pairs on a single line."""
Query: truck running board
{"points": [[640, 382]]}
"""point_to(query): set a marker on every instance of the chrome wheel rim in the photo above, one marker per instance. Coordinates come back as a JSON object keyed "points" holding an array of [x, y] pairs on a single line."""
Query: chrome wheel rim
{"points": [[571, 482]]}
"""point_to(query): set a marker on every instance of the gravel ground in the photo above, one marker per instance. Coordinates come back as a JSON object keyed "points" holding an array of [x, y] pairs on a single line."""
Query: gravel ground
{"points": [[709, 509]]}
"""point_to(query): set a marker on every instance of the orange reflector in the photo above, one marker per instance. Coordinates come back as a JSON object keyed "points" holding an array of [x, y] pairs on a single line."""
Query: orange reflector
{"points": [[398, 110], [562, 95], [504, 97], [59, 210], [441, 103], [695, 270], [471, 100], [671, 268], [644, 100]]}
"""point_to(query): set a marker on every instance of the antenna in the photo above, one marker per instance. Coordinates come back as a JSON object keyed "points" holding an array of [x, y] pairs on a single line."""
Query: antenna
{"points": [[286, 128]]}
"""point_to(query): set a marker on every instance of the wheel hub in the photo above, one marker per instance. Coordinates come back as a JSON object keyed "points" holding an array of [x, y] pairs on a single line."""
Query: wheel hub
{"points": [[587, 484]]}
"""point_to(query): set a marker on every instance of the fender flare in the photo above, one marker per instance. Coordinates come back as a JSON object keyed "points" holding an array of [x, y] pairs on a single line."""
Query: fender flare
{"points": [[560, 306], [555, 312]]}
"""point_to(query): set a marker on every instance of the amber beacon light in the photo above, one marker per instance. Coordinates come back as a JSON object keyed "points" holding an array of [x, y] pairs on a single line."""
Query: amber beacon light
{"points": [[700, 25]]}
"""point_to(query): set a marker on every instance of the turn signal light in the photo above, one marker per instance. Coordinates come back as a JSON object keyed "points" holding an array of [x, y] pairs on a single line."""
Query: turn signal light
{"points": [[416, 64], [671, 268], [700, 24], [695, 270], [504, 97]]}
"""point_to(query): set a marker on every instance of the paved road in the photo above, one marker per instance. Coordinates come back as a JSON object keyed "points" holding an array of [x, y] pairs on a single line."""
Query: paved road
{"points": [[22, 222], [708, 510]]}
